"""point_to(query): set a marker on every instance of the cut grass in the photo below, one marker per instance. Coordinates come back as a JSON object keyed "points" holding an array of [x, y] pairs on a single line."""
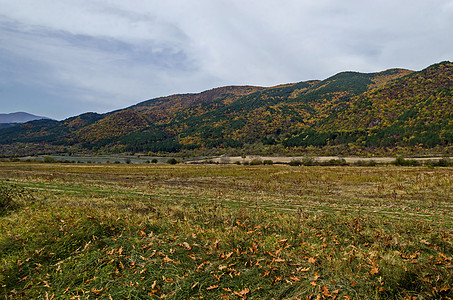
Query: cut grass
{"points": [[232, 232]]}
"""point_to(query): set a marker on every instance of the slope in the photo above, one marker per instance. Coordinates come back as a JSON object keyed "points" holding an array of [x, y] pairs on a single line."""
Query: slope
{"points": [[266, 116], [392, 108], [417, 109]]}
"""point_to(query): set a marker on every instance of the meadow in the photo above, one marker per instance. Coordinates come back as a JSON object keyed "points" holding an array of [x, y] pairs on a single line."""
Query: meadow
{"points": [[117, 231]]}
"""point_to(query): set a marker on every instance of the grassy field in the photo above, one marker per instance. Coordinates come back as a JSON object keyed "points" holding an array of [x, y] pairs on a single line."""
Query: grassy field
{"points": [[92, 231]]}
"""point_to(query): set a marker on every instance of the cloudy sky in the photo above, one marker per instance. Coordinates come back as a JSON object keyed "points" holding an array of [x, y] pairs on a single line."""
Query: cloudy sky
{"points": [[60, 58]]}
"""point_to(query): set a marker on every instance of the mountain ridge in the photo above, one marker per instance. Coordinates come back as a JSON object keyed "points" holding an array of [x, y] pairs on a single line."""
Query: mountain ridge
{"points": [[349, 112], [19, 117]]}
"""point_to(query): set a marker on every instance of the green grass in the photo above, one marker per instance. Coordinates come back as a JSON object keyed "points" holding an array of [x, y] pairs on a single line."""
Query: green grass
{"points": [[226, 232]]}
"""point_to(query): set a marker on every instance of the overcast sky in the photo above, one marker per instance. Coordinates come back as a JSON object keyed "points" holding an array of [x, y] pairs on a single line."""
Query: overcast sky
{"points": [[60, 58]]}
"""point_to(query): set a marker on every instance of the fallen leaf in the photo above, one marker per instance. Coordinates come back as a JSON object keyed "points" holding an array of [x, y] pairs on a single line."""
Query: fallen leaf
{"points": [[228, 255], [167, 296], [218, 276], [316, 276], [168, 260], [242, 293], [325, 291], [186, 245], [253, 248], [276, 279], [212, 287], [96, 291]]}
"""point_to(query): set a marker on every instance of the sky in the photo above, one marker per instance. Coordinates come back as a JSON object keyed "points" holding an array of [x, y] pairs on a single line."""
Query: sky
{"points": [[61, 58]]}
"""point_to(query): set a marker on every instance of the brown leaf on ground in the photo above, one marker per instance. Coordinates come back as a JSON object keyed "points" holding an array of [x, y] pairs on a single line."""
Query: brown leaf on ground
{"points": [[168, 259], [242, 293], [212, 287], [325, 291], [186, 245]]}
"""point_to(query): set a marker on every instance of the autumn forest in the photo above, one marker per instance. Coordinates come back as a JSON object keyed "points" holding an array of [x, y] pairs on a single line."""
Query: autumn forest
{"points": [[347, 114]]}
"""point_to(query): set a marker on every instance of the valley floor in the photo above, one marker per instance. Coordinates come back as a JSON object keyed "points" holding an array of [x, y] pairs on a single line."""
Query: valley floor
{"points": [[117, 231]]}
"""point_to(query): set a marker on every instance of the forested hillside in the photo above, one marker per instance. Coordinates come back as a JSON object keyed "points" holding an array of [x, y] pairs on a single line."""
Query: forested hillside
{"points": [[350, 113]]}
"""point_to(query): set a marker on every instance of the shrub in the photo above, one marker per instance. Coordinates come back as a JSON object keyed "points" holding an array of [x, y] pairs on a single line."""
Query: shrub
{"points": [[256, 162], [365, 163], [172, 161], [444, 162], [154, 161], [400, 161], [49, 159], [335, 162], [295, 163], [268, 162], [308, 161]]}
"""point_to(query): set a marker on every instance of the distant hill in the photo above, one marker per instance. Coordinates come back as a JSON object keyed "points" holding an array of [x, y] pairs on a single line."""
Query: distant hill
{"points": [[348, 113], [19, 117]]}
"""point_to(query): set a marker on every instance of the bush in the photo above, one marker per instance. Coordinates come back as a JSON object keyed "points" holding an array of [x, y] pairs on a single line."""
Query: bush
{"points": [[268, 162], [49, 159], [444, 162], [154, 161], [365, 163], [335, 162], [308, 161], [295, 163], [172, 161], [256, 162], [400, 161]]}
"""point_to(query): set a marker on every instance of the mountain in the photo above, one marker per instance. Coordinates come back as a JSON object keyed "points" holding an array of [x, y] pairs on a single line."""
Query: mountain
{"points": [[348, 113], [19, 117]]}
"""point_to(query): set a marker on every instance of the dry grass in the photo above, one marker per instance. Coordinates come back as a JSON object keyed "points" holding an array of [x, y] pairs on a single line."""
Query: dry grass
{"points": [[134, 231]]}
